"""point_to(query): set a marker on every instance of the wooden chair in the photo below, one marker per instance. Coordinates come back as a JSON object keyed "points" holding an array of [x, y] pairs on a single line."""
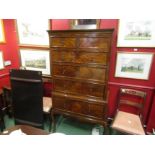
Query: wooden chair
{"points": [[27, 97], [125, 120], [46, 101], [47, 108]]}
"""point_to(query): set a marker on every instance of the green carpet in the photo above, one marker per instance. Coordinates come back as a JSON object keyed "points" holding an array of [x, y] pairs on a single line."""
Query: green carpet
{"points": [[73, 127], [64, 125]]}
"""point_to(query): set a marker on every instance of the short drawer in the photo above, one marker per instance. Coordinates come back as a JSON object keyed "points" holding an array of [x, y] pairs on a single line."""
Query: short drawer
{"points": [[94, 42], [63, 42]]}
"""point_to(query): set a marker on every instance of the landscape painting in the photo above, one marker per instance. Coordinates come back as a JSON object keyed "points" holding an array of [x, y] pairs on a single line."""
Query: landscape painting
{"points": [[136, 33], [33, 32], [38, 60], [134, 65], [138, 30], [1, 60], [2, 36]]}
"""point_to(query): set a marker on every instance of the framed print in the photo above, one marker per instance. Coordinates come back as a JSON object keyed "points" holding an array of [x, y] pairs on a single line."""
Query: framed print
{"points": [[136, 33], [134, 65], [38, 60], [85, 23], [1, 60], [2, 36], [33, 32]]}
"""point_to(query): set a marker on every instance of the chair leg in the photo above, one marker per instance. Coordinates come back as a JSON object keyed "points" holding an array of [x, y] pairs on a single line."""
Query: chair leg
{"points": [[53, 122], [50, 122], [106, 130], [2, 124]]}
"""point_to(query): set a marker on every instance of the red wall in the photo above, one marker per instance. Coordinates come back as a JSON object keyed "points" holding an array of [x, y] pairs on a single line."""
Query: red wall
{"points": [[10, 50], [151, 121], [60, 24]]}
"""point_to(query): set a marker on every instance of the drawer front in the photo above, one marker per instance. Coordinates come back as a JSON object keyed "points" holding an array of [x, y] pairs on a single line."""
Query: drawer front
{"points": [[93, 73], [91, 57], [97, 110], [79, 88], [94, 43], [63, 56], [92, 109], [79, 57], [63, 42], [58, 102], [76, 106]]}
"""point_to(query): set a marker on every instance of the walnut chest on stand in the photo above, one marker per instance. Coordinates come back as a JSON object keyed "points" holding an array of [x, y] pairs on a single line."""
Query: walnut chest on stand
{"points": [[80, 65]]}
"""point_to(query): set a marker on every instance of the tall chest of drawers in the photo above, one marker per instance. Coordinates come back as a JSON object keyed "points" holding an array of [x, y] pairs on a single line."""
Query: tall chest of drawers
{"points": [[80, 64]]}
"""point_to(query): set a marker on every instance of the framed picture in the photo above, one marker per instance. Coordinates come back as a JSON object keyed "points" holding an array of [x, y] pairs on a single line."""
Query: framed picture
{"points": [[1, 60], [2, 36], [85, 23], [136, 33], [38, 60], [134, 65], [33, 32]]}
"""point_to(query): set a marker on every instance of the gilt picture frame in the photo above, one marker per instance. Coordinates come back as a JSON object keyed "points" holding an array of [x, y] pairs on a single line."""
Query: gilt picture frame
{"points": [[136, 33], [36, 59], [134, 65], [1, 60], [2, 35], [33, 32], [85, 23]]}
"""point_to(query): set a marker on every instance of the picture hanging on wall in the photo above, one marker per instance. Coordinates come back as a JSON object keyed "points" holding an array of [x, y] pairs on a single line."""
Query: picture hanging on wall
{"points": [[38, 60], [33, 32], [136, 33], [135, 65], [85, 23], [2, 36], [1, 60]]}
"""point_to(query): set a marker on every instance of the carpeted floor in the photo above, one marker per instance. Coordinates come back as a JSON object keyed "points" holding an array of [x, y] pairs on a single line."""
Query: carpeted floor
{"points": [[64, 125]]}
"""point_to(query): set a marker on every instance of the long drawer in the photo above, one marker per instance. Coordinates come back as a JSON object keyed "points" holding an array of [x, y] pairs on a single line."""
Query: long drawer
{"points": [[93, 109], [80, 42], [82, 56], [85, 72], [79, 87]]}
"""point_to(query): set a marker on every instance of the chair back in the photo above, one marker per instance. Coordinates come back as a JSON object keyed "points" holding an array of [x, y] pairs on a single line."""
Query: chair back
{"points": [[27, 94], [131, 99]]}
